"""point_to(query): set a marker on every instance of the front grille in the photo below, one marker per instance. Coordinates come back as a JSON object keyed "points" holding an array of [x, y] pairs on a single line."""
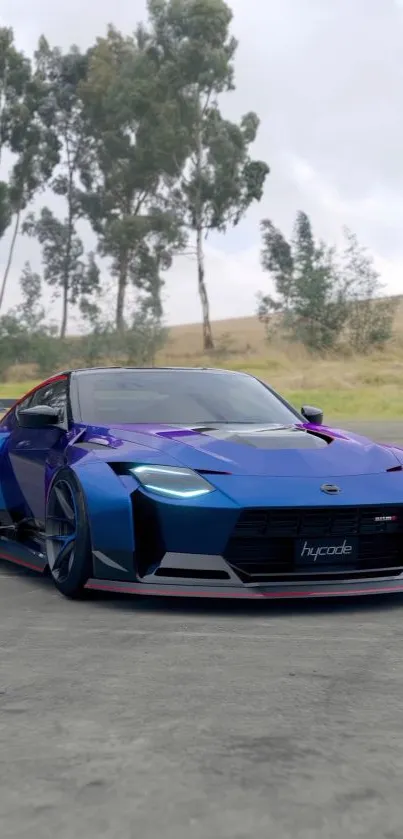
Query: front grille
{"points": [[318, 521], [262, 545]]}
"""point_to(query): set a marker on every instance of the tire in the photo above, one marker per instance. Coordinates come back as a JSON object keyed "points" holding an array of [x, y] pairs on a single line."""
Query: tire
{"points": [[68, 541]]}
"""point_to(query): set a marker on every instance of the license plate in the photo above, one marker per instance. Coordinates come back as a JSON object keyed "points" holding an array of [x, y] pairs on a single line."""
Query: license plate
{"points": [[330, 551]]}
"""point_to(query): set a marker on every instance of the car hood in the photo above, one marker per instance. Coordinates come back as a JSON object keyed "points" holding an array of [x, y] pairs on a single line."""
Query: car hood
{"points": [[271, 450]]}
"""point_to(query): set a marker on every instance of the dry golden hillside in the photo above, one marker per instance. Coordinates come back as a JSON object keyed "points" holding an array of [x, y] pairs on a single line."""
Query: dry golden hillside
{"points": [[245, 338], [345, 386]]}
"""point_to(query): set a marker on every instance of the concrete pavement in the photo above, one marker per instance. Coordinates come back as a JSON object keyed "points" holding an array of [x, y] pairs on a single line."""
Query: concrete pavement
{"points": [[127, 719]]}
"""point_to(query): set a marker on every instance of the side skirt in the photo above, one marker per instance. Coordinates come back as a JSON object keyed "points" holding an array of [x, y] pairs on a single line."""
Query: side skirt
{"points": [[21, 555]]}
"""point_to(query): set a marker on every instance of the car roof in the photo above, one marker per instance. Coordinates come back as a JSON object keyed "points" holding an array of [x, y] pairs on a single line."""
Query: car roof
{"points": [[86, 370]]}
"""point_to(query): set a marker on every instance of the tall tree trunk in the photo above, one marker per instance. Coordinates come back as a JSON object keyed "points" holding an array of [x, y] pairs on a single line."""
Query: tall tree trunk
{"points": [[67, 258], [122, 284], [208, 343], [63, 326], [10, 256], [66, 281]]}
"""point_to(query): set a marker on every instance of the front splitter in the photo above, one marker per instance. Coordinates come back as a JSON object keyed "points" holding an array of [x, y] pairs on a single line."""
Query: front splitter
{"points": [[249, 593]]}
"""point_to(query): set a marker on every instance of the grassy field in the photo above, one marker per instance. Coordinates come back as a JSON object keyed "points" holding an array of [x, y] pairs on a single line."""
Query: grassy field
{"points": [[368, 387]]}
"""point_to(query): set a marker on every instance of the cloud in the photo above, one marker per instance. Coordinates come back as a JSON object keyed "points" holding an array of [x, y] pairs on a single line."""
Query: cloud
{"points": [[326, 79], [233, 280]]}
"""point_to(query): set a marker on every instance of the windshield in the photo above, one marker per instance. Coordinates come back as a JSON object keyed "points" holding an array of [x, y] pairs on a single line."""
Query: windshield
{"points": [[177, 397]]}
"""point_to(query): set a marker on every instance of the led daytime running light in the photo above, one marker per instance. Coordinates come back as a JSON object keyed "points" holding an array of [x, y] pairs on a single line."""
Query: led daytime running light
{"points": [[148, 477]]}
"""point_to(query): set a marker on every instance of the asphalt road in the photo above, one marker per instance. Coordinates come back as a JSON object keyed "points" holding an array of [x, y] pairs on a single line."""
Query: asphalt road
{"points": [[142, 719]]}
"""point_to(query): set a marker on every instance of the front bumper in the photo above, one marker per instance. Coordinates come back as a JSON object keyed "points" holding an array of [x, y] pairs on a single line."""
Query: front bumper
{"points": [[229, 546]]}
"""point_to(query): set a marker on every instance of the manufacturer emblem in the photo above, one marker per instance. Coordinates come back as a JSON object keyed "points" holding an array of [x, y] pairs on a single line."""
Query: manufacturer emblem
{"points": [[330, 489]]}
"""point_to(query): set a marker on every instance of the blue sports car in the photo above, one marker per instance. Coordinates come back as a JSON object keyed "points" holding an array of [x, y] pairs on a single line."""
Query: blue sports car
{"points": [[194, 482]]}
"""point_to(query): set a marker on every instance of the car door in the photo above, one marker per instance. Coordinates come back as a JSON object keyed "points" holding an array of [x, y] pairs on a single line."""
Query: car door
{"points": [[35, 453]]}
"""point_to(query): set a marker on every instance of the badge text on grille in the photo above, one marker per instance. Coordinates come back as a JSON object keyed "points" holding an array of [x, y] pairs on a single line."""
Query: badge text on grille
{"points": [[385, 518]]}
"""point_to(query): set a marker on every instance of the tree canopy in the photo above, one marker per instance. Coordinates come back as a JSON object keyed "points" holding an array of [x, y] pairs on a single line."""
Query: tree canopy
{"points": [[120, 158], [219, 180], [321, 294]]}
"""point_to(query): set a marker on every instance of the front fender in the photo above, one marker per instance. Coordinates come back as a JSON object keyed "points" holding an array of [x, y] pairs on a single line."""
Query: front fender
{"points": [[110, 520]]}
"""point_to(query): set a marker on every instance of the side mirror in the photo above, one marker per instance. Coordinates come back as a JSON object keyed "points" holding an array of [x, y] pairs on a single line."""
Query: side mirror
{"points": [[40, 416], [312, 415]]}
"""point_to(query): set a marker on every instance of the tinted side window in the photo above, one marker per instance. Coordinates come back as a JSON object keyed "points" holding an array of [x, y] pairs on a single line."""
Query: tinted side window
{"points": [[24, 404], [54, 395]]}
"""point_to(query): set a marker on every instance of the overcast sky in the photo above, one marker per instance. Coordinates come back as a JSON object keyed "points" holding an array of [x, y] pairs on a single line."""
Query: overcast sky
{"points": [[326, 79]]}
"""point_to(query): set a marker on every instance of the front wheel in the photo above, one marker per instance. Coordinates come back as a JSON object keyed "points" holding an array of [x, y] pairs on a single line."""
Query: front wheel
{"points": [[68, 542]]}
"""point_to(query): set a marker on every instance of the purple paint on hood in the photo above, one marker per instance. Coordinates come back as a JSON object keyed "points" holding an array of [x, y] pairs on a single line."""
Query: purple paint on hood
{"points": [[345, 454]]}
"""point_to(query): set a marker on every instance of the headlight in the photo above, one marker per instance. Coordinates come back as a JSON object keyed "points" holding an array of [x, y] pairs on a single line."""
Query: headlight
{"points": [[176, 482]]}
